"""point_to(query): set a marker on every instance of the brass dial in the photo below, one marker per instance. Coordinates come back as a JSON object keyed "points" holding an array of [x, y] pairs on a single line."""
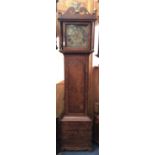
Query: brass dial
{"points": [[77, 35]]}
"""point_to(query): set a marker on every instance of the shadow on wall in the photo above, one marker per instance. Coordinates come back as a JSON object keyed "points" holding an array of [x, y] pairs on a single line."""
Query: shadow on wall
{"points": [[59, 98]]}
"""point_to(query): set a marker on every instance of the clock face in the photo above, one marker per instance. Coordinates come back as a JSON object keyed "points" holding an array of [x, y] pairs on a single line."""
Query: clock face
{"points": [[77, 36]]}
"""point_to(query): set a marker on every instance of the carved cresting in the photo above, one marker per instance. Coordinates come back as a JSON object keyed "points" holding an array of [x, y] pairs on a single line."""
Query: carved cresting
{"points": [[77, 13], [81, 11]]}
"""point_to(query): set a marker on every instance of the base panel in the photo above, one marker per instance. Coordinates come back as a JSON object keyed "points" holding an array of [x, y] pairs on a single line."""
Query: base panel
{"points": [[76, 133]]}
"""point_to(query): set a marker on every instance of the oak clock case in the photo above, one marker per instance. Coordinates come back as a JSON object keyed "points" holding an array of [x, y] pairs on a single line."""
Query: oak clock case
{"points": [[76, 43]]}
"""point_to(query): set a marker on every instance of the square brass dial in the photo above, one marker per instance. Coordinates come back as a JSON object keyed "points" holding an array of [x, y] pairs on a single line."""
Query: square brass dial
{"points": [[77, 36]]}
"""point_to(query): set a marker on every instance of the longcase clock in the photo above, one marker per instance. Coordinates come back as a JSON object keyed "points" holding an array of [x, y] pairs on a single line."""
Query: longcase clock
{"points": [[76, 43]]}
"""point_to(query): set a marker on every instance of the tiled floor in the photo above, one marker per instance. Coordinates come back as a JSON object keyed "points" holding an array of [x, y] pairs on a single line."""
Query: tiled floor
{"points": [[95, 151]]}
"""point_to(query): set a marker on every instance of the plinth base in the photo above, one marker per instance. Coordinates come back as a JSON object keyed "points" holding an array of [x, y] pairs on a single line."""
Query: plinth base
{"points": [[76, 133]]}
